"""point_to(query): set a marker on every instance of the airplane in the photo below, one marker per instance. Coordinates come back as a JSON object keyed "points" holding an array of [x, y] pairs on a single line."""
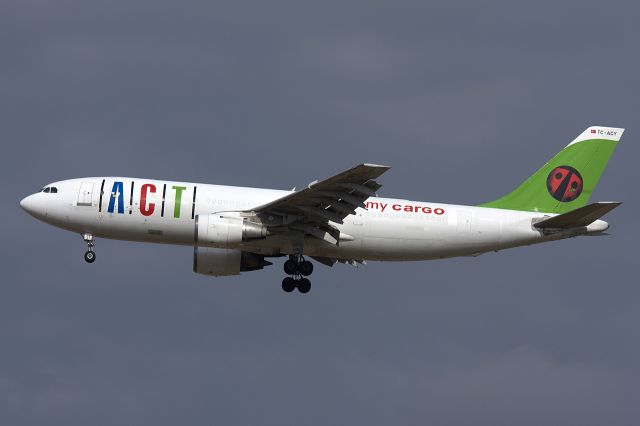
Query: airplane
{"points": [[339, 219]]}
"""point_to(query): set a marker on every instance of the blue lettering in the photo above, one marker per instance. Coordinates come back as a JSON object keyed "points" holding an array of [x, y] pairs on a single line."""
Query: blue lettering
{"points": [[117, 191]]}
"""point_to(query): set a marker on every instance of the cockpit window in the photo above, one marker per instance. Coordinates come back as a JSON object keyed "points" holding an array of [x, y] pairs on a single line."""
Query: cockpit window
{"points": [[50, 189]]}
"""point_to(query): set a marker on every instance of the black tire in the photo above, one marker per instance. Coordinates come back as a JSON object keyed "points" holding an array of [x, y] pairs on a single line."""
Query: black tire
{"points": [[290, 267], [288, 284], [304, 285], [90, 257], [306, 268]]}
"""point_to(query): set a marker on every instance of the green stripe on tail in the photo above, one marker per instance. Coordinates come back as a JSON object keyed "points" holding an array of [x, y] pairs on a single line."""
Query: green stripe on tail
{"points": [[567, 181]]}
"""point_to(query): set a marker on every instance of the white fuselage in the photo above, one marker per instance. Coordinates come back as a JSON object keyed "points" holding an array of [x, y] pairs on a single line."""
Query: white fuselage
{"points": [[389, 229]]}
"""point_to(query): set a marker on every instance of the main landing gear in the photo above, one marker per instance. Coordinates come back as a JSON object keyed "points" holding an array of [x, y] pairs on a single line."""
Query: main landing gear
{"points": [[90, 255], [298, 268]]}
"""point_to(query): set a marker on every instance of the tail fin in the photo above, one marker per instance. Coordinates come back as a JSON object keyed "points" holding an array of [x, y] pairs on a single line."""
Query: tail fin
{"points": [[566, 182]]}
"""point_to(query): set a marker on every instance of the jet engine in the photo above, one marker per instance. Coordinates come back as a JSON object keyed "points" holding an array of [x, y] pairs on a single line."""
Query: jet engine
{"points": [[224, 229], [223, 261]]}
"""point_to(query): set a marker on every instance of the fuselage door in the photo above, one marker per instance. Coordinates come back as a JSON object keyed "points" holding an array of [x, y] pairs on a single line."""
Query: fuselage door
{"points": [[85, 196]]}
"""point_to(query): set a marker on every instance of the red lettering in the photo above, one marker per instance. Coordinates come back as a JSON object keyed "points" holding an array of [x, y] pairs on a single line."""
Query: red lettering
{"points": [[426, 210], [396, 207], [439, 211], [144, 209]]}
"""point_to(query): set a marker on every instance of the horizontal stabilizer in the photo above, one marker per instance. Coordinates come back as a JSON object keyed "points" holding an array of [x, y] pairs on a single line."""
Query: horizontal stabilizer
{"points": [[583, 216]]}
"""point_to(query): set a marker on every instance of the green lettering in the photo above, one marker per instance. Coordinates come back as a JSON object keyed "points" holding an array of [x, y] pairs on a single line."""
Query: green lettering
{"points": [[176, 206]]}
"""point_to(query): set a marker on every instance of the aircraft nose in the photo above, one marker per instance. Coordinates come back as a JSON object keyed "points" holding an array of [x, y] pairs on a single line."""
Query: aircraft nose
{"points": [[35, 205], [26, 203]]}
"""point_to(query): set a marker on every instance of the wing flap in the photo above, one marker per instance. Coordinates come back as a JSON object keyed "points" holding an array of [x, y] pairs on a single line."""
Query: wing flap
{"points": [[324, 260]]}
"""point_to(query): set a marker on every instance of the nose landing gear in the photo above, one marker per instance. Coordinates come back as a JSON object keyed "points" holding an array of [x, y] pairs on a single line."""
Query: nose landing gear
{"points": [[298, 268], [90, 255]]}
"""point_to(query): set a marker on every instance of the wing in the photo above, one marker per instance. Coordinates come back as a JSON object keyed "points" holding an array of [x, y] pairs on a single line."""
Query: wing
{"points": [[314, 209]]}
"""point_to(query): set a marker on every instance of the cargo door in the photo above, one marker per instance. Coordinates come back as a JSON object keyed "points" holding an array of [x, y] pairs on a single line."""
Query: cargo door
{"points": [[85, 195]]}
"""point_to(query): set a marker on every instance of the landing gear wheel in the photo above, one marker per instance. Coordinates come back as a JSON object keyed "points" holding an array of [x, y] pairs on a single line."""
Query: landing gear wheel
{"points": [[304, 285], [298, 268], [290, 267], [288, 284], [306, 268], [89, 256]]}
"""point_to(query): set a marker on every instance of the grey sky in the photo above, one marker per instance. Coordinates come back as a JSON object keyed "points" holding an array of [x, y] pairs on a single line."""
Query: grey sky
{"points": [[464, 100]]}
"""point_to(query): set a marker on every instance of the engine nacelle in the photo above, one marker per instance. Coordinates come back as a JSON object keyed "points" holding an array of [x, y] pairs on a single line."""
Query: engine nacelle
{"points": [[221, 230], [223, 261]]}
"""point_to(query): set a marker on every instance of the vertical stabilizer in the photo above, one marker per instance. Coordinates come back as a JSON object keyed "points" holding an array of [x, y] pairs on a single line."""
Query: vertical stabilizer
{"points": [[567, 181]]}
